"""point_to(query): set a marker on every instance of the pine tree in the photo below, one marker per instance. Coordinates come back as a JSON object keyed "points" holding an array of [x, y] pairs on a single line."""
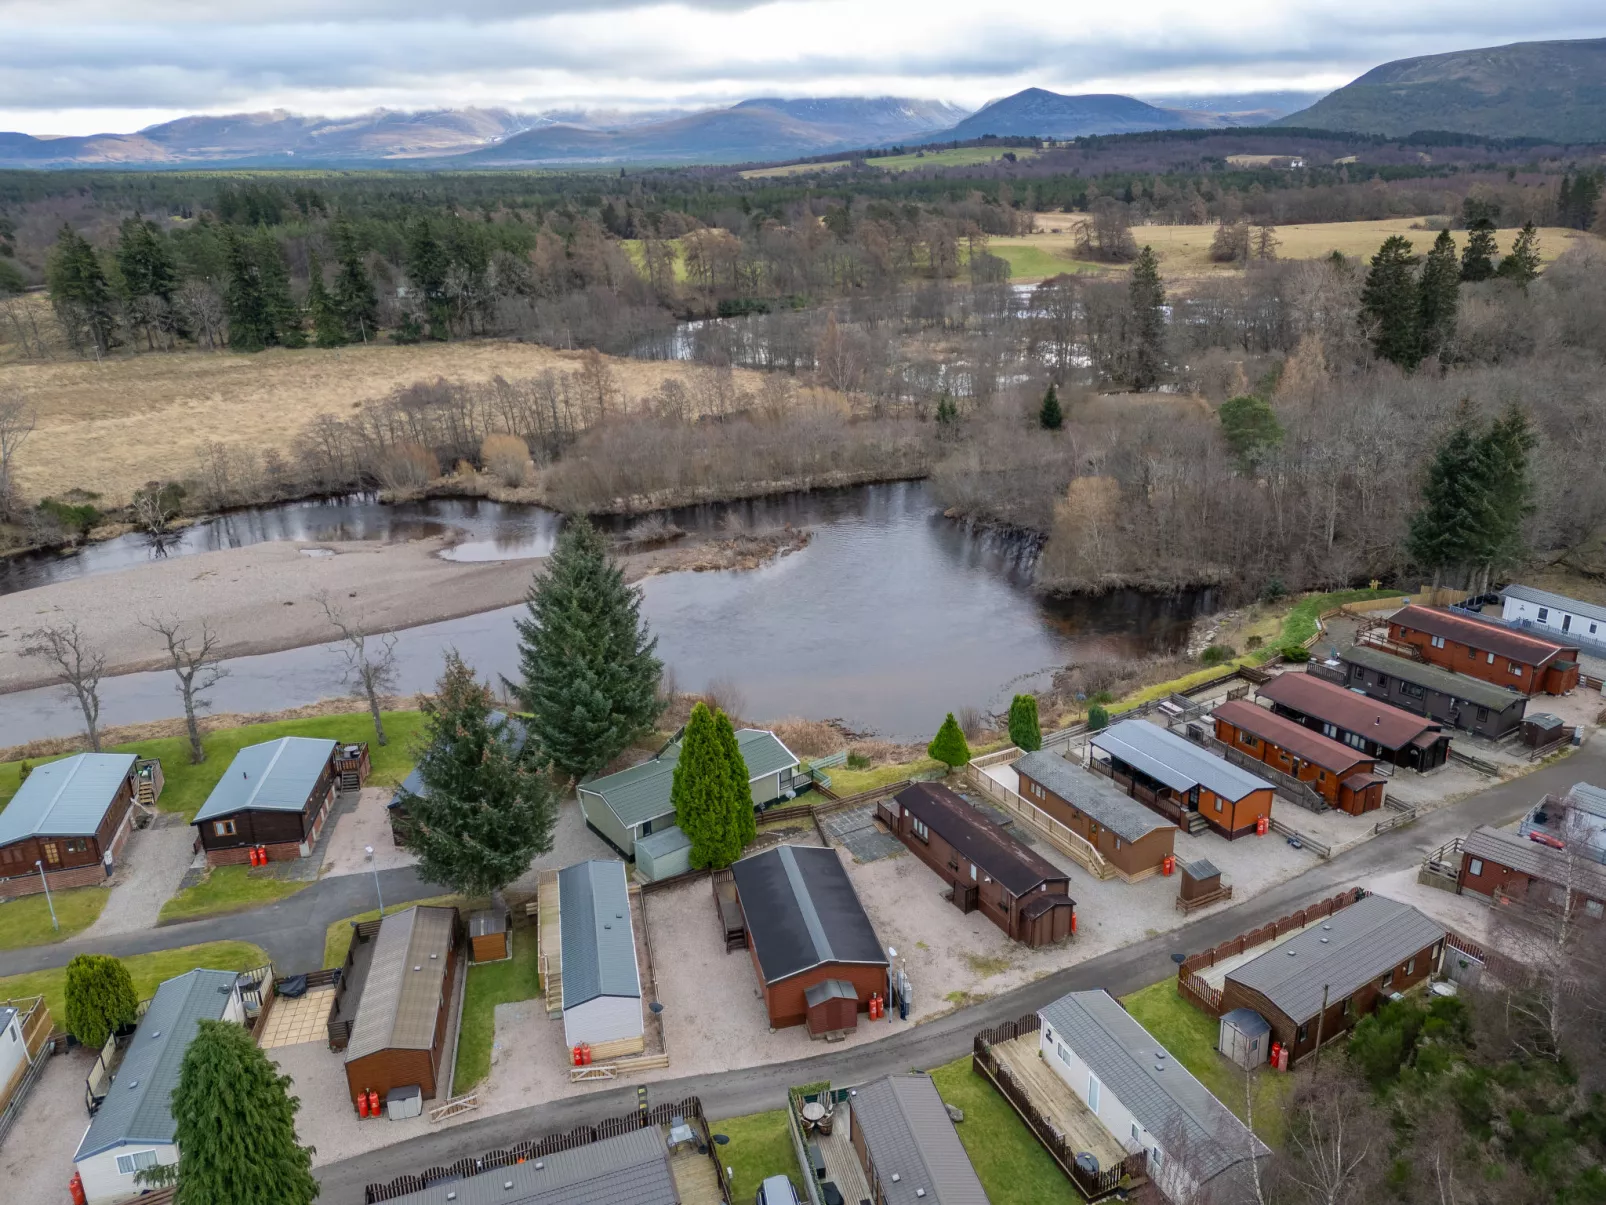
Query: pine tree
{"points": [[354, 291], [100, 998], [487, 810], [80, 293], [1146, 342], [1050, 417], [328, 327], [1250, 428], [1439, 287], [701, 793], [427, 264], [280, 308], [947, 412], [235, 1125], [741, 787], [1508, 488], [949, 746], [1391, 305], [1477, 257], [149, 275], [589, 680], [1522, 265], [250, 318], [1446, 532], [1024, 730]]}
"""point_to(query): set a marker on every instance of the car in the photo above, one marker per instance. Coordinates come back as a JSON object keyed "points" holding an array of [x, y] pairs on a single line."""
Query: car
{"points": [[777, 1190]]}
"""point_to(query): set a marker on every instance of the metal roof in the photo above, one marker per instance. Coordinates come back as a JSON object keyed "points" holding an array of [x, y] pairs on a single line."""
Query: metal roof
{"points": [[1160, 1093], [401, 999], [1559, 601], [1348, 950], [1481, 634], [663, 841], [599, 944], [1088, 792], [817, 994], [277, 776], [1588, 798], [1247, 1021], [1175, 760], [486, 922], [909, 1135], [631, 1169], [1202, 868], [1389, 726], [1549, 865], [641, 793], [802, 912], [998, 853], [1291, 736], [1431, 677], [66, 798], [138, 1104]]}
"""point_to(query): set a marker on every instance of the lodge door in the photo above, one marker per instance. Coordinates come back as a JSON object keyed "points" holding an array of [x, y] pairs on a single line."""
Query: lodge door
{"points": [[52, 853]]}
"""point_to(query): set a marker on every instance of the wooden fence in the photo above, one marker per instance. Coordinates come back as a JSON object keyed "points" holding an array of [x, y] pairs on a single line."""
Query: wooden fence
{"points": [[340, 1031], [1060, 836]]}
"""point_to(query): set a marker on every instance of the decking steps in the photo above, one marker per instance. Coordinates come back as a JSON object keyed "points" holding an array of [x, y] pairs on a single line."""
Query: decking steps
{"points": [[551, 938]]}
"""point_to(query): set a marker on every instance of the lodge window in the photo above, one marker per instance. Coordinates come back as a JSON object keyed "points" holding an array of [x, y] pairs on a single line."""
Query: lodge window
{"points": [[1516, 669], [1065, 1055], [1475, 867], [1383, 983], [1250, 742], [921, 830], [1118, 843], [223, 828], [1330, 731], [11, 854], [1304, 1032], [972, 872], [78, 845], [127, 1165], [1594, 909], [1410, 966], [1383, 680], [1218, 805], [1411, 689], [1483, 714], [1544, 614], [1437, 642]]}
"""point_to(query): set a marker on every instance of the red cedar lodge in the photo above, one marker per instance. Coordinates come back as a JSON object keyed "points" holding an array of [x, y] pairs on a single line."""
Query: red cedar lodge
{"points": [[1181, 780], [1372, 728], [276, 796], [1133, 839], [1012, 885], [1499, 863], [73, 816], [1490, 651], [817, 955], [1345, 777]]}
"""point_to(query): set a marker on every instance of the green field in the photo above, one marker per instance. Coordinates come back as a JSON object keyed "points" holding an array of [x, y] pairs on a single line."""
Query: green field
{"points": [[146, 970], [759, 1147], [1028, 261], [632, 248], [1013, 1166], [963, 156], [227, 889], [25, 921], [490, 984]]}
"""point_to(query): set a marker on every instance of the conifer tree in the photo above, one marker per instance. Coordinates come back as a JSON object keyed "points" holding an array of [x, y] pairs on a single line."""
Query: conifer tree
{"points": [[1024, 731], [1098, 719], [148, 276], [701, 793], [1478, 256], [1146, 337], [1050, 417], [589, 680], [947, 412], [100, 998], [949, 745], [354, 291], [1522, 265], [251, 326], [427, 264], [487, 810], [741, 787], [80, 293], [235, 1125], [328, 327], [1445, 532], [1250, 428], [1440, 287], [283, 316], [1390, 303]]}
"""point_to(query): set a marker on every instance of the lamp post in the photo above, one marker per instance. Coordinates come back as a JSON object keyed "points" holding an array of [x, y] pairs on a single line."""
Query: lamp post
{"points": [[49, 903], [374, 866]]}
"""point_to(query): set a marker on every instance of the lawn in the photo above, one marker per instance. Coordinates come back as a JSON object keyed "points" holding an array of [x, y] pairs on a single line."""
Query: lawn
{"points": [[1032, 261], [1190, 1036], [845, 782], [25, 921], [490, 984], [147, 971], [226, 889], [337, 937], [186, 786], [1013, 1166], [759, 1147]]}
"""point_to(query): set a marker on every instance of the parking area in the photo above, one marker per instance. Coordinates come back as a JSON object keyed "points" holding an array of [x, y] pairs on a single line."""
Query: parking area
{"points": [[366, 824], [153, 864], [36, 1161]]}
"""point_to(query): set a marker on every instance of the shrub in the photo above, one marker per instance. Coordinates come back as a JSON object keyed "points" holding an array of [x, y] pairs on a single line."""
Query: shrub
{"points": [[1254, 642], [1102, 696], [858, 761], [100, 998], [1295, 652], [1024, 730], [78, 518], [507, 458], [407, 466], [1217, 653], [1097, 718], [949, 746], [1273, 590]]}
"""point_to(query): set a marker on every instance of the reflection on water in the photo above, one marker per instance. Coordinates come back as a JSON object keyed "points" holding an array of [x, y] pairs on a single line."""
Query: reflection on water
{"points": [[889, 617]]}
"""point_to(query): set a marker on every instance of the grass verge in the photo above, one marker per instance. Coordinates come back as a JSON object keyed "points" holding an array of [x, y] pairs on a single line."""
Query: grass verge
{"points": [[25, 921], [1013, 1166], [146, 970], [337, 937], [759, 1147], [845, 782], [226, 889], [490, 984]]}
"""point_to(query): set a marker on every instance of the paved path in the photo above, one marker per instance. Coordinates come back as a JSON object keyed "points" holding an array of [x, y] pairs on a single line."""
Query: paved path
{"points": [[148, 873], [753, 1089]]}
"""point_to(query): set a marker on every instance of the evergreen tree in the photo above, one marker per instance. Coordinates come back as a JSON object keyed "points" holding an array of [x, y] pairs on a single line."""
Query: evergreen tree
{"points": [[100, 998], [486, 810], [949, 746], [1250, 428], [1098, 718], [251, 325], [1440, 287], [354, 291], [147, 266], [947, 412], [705, 807], [589, 680], [1522, 265], [1050, 418], [235, 1125], [1477, 257], [427, 264], [1391, 305], [80, 293], [328, 327], [741, 787], [1508, 486], [1024, 731], [283, 314], [1146, 342]]}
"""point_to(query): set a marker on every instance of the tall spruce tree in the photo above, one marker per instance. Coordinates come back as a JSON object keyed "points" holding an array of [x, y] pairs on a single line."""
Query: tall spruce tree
{"points": [[1508, 485], [281, 309], [251, 318], [100, 998], [1024, 731], [328, 327], [81, 294], [1440, 289], [949, 745], [1251, 429], [487, 809], [148, 276], [589, 680], [427, 265], [1478, 256], [1522, 265], [235, 1125], [741, 787], [1145, 344], [354, 290], [705, 806], [1390, 303], [1049, 416]]}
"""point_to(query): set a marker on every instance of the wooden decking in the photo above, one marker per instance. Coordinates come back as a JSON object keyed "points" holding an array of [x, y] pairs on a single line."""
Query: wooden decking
{"points": [[1053, 1098], [695, 1178], [842, 1165], [551, 938]]}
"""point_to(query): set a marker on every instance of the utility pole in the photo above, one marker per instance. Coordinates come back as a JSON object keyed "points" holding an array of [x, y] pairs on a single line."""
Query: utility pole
{"points": [[49, 903], [374, 866], [1320, 1017]]}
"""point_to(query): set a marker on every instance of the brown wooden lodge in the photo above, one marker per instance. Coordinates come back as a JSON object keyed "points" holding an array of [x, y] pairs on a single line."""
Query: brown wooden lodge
{"points": [[1133, 839], [1504, 865], [1372, 728], [1342, 775], [275, 799], [1459, 641], [988, 869], [69, 817], [1182, 781]]}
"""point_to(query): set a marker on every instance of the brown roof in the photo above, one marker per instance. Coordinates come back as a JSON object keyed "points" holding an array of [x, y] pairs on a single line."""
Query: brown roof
{"points": [[1290, 736], [1479, 634], [996, 852], [1555, 866], [1388, 726], [406, 982]]}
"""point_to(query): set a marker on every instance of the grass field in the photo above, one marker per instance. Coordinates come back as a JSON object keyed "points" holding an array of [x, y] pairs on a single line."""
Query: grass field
{"points": [[186, 786], [1012, 1165], [791, 169], [759, 1147], [25, 921], [226, 889], [490, 984], [337, 937], [963, 156], [146, 970]]}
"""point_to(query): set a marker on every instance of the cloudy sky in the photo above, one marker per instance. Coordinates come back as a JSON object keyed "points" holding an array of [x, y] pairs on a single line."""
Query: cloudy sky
{"points": [[82, 66]]}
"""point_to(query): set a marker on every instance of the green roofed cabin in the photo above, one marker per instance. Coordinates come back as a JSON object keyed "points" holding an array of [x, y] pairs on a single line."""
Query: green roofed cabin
{"points": [[275, 795], [624, 807], [72, 817]]}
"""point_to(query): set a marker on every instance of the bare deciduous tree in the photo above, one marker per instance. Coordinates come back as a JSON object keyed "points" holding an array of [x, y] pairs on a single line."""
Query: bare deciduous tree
{"points": [[77, 665], [370, 660], [156, 505], [17, 420], [198, 670], [1337, 1144], [202, 308]]}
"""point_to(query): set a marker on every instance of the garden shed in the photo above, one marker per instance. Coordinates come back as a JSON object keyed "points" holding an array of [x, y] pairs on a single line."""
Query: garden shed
{"points": [[490, 935], [664, 854], [1245, 1037]]}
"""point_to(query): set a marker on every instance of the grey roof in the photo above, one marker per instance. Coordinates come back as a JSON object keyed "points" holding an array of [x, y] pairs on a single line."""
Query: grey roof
{"points": [[277, 776], [664, 841], [1175, 760], [138, 1104], [1588, 798], [401, 999], [1115, 810], [1202, 868], [802, 911], [641, 793], [1160, 1093], [6, 1014], [1560, 601], [1247, 1021], [599, 944], [908, 1134], [1538, 861], [1459, 686], [631, 1169], [66, 798], [1349, 949]]}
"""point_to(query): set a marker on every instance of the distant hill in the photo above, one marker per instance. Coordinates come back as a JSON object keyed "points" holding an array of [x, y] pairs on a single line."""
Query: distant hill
{"points": [[1242, 108], [1055, 115], [1550, 90]]}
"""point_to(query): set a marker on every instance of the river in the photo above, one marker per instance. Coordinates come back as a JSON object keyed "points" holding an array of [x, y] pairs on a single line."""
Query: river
{"points": [[891, 616]]}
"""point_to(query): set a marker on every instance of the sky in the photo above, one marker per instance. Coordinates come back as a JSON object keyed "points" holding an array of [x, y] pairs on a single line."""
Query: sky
{"points": [[87, 66]]}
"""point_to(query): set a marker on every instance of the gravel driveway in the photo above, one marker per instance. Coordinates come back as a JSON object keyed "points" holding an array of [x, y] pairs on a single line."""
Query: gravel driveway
{"points": [[148, 873], [36, 1162], [366, 824]]}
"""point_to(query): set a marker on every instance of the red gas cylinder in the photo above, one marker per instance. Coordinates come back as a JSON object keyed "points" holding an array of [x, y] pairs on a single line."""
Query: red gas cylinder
{"points": [[75, 1186], [373, 1102], [575, 1054], [585, 1053], [362, 1104], [262, 855], [1169, 866], [1073, 920], [1262, 824], [1282, 1059]]}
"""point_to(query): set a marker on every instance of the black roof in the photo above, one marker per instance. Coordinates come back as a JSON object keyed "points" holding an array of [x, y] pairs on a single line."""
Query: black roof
{"points": [[802, 911], [999, 854]]}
